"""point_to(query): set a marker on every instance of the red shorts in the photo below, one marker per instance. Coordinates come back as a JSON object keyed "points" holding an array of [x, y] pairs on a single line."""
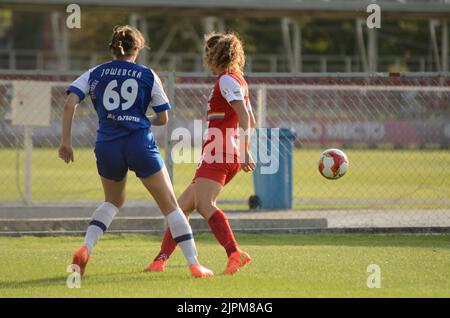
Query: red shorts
{"points": [[219, 172]]}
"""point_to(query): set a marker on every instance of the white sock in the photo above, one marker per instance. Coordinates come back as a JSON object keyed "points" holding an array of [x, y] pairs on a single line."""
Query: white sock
{"points": [[182, 234], [101, 220]]}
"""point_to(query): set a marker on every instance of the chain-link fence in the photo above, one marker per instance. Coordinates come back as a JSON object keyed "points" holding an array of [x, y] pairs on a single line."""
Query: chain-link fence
{"points": [[394, 129]]}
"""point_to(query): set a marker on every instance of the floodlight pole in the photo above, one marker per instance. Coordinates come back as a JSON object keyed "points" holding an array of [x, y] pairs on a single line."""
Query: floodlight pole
{"points": [[361, 45], [432, 25], [442, 61], [169, 126], [139, 21], [170, 86], [261, 100], [292, 44], [444, 48], [60, 39], [297, 46], [372, 49], [369, 54], [28, 145]]}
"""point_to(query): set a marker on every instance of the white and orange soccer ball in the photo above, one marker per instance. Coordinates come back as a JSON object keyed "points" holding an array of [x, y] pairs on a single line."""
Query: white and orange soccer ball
{"points": [[333, 163]]}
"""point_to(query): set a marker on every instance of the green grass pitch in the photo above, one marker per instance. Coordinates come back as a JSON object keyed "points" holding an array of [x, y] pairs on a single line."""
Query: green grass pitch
{"points": [[318, 265], [391, 176]]}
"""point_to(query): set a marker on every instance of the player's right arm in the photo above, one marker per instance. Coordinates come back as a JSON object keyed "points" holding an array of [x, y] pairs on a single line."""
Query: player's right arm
{"points": [[65, 148], [76, 93], [159, 103], [232, 92]]}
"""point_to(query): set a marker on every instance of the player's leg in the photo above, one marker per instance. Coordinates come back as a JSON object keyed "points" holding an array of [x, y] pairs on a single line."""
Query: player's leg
{"points": [[143, 157], [160, 187], [101, 219], [112, 170], [168, 245], [206, 193]]}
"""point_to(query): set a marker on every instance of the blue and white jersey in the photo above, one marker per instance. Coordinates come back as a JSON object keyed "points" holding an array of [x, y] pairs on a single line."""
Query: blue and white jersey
{"points": [[121, 92]]}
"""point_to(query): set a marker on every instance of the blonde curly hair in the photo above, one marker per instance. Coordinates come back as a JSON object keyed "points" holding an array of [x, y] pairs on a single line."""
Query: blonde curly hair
{"points": [[224, 52]]}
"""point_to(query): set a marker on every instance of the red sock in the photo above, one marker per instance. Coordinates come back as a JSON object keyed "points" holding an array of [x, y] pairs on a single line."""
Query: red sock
{"points": [[221, 229], [168, 245]]}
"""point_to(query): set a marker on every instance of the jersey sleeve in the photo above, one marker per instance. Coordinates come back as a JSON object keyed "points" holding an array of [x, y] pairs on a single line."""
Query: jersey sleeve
{"points": [[159, 101], [80, 86], [230, 88]]}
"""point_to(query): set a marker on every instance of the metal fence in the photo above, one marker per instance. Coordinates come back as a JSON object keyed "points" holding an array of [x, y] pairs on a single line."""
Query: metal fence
{"points": [[395, 130]]}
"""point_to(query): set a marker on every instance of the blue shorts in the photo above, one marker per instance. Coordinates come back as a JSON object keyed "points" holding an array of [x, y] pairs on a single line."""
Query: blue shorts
{"points": [[137, 152]]}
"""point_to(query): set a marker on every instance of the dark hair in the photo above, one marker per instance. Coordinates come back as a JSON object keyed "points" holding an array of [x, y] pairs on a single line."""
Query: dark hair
{"points": [[125, 40]]}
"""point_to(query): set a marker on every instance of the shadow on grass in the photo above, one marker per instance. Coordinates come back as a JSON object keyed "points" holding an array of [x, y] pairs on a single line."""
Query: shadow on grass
{"points": [[317, 239], [351, 240], [51, 281], [313, 239], [95, 278]]}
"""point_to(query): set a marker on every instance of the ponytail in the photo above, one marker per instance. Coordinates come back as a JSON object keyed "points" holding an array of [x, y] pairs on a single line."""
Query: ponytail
{"points": [[126, 40]]}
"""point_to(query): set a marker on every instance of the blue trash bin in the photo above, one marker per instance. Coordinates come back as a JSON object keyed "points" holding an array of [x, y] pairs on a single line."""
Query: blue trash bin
{"points": [[272, 177]]}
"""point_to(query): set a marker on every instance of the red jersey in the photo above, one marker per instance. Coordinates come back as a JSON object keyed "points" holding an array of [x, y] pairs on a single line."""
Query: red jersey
{"points": [[222, 119]]}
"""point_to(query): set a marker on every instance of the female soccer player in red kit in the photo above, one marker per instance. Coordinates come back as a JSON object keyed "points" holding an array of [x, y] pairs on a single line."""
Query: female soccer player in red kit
{"points": [[229, 107], [121, 92]]}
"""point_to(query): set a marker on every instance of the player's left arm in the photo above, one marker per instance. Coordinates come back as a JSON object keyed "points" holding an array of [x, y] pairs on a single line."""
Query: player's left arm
{"points": [[252, 116], [245, 124], [233, 92], [252, 119], [159, 119]]}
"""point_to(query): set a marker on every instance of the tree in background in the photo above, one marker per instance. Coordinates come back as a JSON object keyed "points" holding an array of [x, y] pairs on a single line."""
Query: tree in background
{"points": [[398, 40]]}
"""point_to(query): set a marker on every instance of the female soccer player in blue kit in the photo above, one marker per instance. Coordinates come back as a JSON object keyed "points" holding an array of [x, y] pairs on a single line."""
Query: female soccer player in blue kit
{"points": [[121, 91]]}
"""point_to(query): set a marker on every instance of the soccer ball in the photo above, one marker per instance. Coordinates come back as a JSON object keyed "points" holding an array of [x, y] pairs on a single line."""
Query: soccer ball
{"points": [[333, 163]]}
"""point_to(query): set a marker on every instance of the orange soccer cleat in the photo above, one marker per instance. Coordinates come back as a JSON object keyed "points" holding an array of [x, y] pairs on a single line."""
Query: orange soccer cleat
{"points": [[80, 259], [156, 266], [237, 260], [199, 271]]}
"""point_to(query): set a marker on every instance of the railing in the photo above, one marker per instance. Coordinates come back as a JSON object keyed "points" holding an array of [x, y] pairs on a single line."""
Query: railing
{"points": [[394, 129], [52, 61]]}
